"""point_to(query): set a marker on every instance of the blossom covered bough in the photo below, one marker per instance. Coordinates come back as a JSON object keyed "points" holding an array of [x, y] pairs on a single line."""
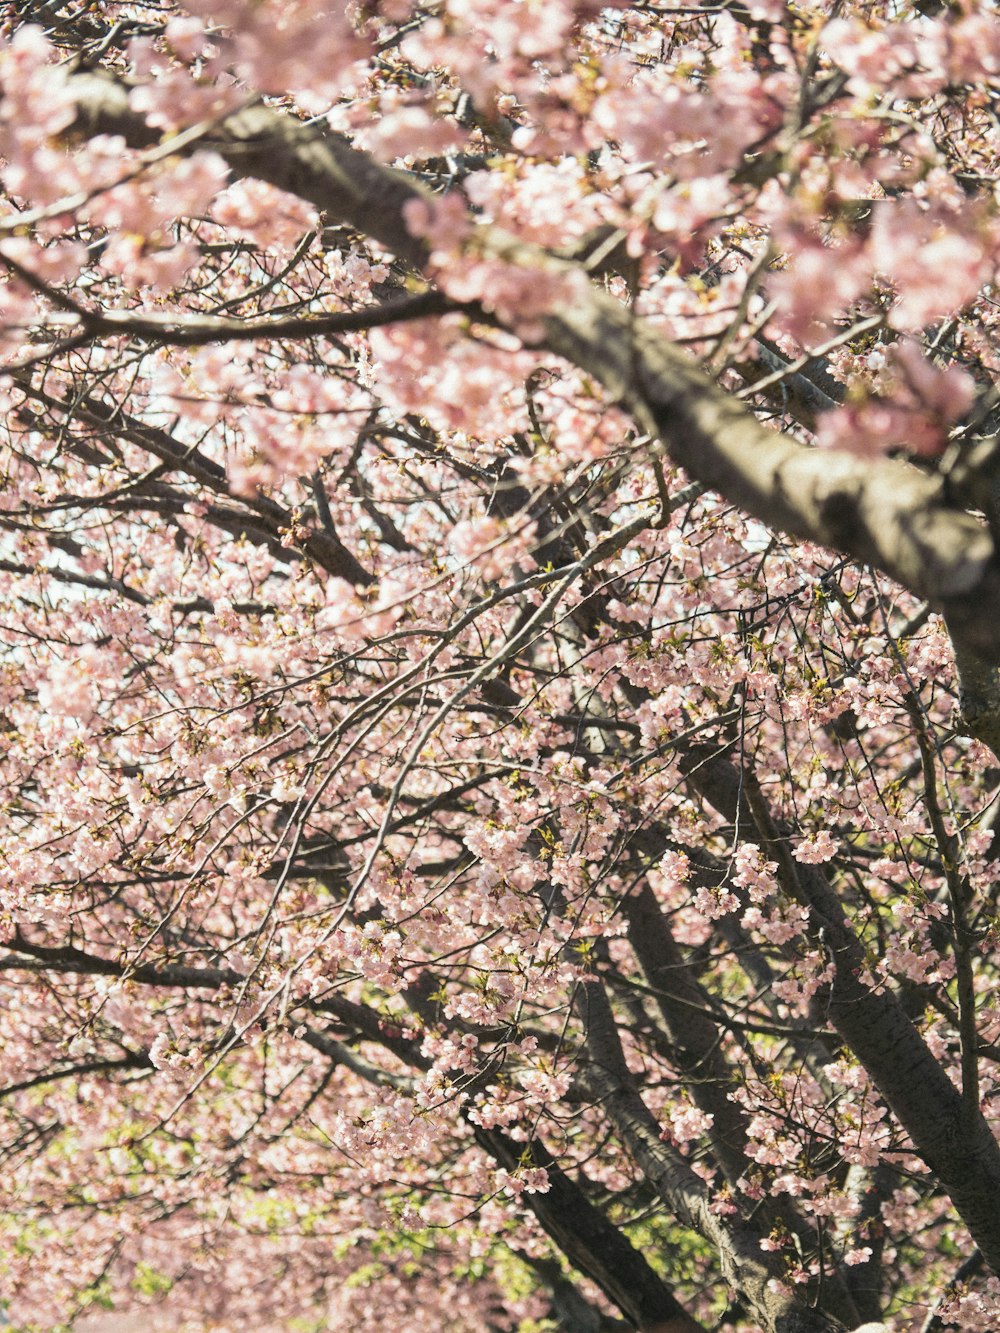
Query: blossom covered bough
{"points": [[498, 689]]}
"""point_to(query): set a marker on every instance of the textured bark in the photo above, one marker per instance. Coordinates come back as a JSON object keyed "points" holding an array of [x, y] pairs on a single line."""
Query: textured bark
{"points": [[884, 512]]}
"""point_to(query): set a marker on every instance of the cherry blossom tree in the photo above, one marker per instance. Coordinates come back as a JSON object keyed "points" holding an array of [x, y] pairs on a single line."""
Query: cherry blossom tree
{"points": [[500, 512]]}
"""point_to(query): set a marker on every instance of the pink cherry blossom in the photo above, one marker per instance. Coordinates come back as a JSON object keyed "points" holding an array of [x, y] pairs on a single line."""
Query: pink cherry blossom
{"points": [[498, 701]]}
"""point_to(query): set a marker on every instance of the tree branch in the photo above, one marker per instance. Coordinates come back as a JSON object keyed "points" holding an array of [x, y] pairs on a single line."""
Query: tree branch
{"points": [[954, 1140], [881, 512], [758, 1278]]}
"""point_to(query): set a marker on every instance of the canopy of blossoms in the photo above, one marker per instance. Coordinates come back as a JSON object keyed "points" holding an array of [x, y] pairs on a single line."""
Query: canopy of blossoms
{"points": [[499, 624]]}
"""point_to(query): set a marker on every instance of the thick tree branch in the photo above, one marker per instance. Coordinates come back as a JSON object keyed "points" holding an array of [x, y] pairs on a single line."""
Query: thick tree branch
{"points": [[684, 1010], [883, 512]]}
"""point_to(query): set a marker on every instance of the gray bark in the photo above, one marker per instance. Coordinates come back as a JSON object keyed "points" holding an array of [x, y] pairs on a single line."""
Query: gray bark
{"points": [[881, 512]]}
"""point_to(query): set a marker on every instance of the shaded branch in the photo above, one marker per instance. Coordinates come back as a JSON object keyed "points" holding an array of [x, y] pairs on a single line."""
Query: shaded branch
{"points": [[133, 1060], [591, 1243], [757, 1276], [954, 1139]]}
